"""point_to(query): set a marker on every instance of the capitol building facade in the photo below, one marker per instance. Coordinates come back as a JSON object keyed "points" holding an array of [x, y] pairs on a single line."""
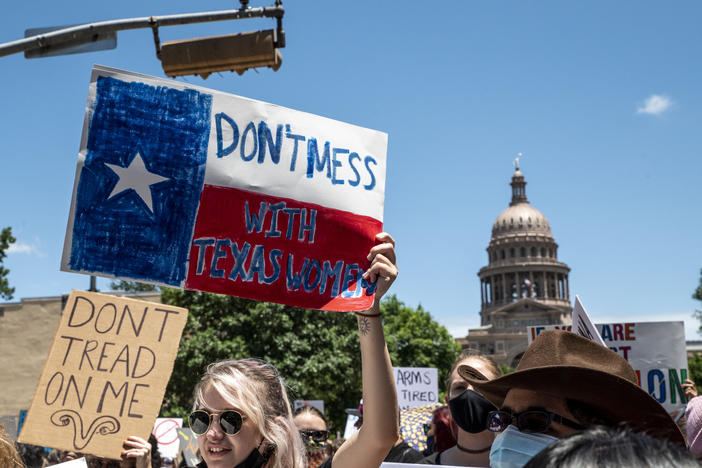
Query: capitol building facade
{"points": [[523, 283]]}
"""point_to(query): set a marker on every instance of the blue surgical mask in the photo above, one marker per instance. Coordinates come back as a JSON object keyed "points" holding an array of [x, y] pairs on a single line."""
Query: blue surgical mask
{"points": [[513, 449]]}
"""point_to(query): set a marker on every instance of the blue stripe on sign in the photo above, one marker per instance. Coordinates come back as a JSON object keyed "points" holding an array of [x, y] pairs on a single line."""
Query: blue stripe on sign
{"points": [[118, 233]]}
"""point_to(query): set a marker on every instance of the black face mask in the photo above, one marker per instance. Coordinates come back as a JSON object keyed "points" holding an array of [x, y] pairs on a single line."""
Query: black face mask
{"points": [[470, 411], [255, 459]]}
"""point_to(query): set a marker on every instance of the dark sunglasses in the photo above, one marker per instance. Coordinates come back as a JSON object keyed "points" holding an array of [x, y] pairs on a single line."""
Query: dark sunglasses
{"points": [[230, 421], [316, 436], [528, 421]]}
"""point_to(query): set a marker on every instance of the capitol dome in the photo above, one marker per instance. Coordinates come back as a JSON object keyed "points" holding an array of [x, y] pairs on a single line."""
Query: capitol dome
{"points": [[521, 218], [523, 284]]}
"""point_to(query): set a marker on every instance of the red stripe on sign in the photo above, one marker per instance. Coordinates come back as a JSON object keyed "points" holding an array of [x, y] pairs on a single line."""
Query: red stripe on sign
{"points": [[281, 250]]}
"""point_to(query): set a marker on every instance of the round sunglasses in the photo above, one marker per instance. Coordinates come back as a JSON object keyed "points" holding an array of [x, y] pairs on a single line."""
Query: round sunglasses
{"points": [[230, 421], [533, 421]]}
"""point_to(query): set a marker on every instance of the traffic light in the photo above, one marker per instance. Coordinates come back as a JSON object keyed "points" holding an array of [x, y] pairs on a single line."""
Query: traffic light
{"points": [[231, 52]]}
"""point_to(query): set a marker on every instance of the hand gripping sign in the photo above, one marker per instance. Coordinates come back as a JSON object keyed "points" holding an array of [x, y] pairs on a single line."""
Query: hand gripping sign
{"points": [[183, 186]]}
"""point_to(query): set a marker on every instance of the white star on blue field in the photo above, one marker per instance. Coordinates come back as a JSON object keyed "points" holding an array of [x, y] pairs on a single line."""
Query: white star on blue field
{"points": [[135, 177]]}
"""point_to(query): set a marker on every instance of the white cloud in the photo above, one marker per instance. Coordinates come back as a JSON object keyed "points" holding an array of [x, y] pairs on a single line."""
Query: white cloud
{"points": [[655, 104], [22, 248]]}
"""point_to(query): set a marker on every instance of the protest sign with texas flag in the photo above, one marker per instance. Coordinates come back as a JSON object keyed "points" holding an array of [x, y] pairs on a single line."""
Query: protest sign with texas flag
{"points": [[183, 186]]}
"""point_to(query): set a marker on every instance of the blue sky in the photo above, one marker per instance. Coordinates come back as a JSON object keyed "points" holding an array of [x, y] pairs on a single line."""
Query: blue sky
{"points": [[603, 98]]}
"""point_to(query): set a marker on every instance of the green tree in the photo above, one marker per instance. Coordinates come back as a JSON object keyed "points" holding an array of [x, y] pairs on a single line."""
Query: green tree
{"points": [[416, 340], [694, 367], [317, 352], [698, 295], [6, 239], [694, 364], [133, 286]]}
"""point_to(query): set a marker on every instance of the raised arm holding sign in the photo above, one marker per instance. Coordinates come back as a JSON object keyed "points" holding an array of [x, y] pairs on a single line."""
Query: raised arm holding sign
{"points": [[242, 415]]}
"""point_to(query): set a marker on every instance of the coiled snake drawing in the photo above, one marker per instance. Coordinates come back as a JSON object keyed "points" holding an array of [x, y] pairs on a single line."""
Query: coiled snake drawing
{"points": [[103, 425]]}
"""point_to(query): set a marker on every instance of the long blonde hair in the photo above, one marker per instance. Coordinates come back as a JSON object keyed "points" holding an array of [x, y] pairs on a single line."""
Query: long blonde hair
{"points": [[9, 457], [257, 389]]}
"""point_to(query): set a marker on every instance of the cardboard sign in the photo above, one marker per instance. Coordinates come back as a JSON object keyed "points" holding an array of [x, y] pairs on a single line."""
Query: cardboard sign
{"points": [[106, 374], [416, 386], [184, 186], [166, 433], [655, 350], [188, 446]]}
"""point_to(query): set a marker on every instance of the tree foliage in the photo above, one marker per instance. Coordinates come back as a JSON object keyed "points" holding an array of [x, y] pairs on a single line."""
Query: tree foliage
{"points": [[698, 295], [694, 368], [6, 239], [133, 286], [316, 352]]}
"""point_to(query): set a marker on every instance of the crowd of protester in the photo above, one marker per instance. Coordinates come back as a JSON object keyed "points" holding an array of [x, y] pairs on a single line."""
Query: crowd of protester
{"points": [[569, 403]]}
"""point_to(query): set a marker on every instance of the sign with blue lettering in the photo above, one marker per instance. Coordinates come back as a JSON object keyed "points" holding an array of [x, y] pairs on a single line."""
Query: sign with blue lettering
{"points": [[184, 186], [655, 350]]}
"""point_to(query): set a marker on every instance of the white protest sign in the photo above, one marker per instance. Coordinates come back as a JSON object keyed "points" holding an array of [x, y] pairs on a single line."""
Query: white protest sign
{"points": [[655, 350], [416, 386], [188, 446], [413, 465], [166, 433], [350, 427], [77, 463], [582, 325], [185, 186]]}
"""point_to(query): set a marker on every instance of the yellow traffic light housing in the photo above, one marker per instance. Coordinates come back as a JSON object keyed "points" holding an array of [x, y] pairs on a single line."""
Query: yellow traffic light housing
{"points": [[231, 52]]}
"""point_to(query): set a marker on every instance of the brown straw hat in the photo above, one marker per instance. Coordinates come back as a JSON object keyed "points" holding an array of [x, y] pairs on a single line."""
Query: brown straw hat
{"points": [[564, 364]]}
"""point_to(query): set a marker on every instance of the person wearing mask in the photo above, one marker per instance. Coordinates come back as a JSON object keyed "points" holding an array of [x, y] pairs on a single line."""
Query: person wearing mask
{"points": [[469, 410], [564, 384], [242, 414], [314, 432]]}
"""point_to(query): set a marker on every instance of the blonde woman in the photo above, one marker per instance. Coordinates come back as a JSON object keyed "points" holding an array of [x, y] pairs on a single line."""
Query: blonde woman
{"points": [[242, 413], [8, 452]]}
